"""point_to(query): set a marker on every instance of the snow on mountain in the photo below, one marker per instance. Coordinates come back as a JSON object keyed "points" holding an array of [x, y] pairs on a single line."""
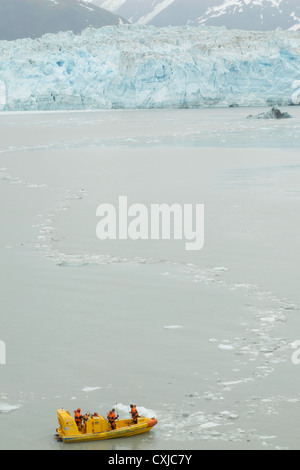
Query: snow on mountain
{"points": [[264, 15], [147, 67], [158, 8], [136, 11], [254, 14], [33, 18], [111, 5]]}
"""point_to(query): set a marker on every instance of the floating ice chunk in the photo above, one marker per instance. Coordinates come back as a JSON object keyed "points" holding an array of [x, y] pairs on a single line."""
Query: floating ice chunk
{"points": [[275, 113], [6, 408], [235, 382], [172, 327], [229, 415], [226, 347], [90, 389], [66, 264], [209, 425], [225, 413], [268, 319]]}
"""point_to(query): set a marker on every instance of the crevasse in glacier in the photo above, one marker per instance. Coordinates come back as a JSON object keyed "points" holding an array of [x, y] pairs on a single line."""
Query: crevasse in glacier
{"points": [[145, 67]]}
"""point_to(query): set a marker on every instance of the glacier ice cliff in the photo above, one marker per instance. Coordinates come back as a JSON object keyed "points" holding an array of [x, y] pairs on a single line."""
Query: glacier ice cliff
{"points": [[146, 67]]}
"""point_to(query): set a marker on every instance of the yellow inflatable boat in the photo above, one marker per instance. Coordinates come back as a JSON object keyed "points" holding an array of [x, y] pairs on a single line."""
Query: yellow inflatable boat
{"points": [[97, 428]]}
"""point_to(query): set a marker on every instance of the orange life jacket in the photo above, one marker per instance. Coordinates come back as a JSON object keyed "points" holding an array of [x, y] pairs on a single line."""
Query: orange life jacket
{"points": [[111, 416], [112, 419], [134, 412]]}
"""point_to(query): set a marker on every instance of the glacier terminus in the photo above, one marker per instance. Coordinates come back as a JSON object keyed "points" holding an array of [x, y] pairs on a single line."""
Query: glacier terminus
{"points": [[133, 66]]}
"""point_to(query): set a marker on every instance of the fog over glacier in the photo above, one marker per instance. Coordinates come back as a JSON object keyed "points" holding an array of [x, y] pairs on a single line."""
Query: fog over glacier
{"points": [[144, 67]]}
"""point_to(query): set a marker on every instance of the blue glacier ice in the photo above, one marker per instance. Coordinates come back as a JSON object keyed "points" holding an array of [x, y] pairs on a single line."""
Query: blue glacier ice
{"points": [[146, 67]]}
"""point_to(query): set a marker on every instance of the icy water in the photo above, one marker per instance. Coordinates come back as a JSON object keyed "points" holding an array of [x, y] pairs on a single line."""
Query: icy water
{"points": [[201, 340]]}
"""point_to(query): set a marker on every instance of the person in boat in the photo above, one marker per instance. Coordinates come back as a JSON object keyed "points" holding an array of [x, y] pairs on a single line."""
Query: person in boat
{"points": [[78, 418], [85, 418], [134, 414], [112, 419]]}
